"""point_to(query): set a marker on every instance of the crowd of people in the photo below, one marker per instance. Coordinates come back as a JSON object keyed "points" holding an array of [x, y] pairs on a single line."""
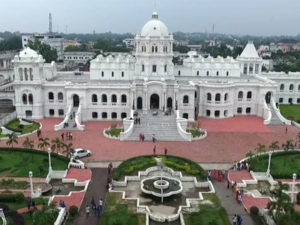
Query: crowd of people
{"points": [[237, 220], [215, 175]]}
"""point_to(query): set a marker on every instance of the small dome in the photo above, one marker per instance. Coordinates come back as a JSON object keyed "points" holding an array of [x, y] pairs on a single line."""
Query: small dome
{"points": [[249, 51], [28, 53], [154, 27]]}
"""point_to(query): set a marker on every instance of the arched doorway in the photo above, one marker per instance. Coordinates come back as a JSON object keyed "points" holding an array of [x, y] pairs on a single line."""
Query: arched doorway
{"points": [[75, 100], [170, 103], [268, 97], [154, 101], [139, 103]]}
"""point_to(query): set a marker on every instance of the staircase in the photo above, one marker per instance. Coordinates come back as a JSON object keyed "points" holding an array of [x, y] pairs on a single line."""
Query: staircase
{"points": [[164, 127], [275, 120]]}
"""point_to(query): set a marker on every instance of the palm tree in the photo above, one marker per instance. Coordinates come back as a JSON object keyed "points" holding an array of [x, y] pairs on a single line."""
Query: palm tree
{"points": [[56, 144], [274, 145], [282, 205], [260, 148], [12, 138], [28, 143], [68, 149], [288, 145], [44, 143]]}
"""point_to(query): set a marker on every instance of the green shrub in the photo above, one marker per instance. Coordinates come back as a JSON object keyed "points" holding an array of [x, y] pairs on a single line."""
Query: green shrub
{"points": [[298, 197], [73, 210], [18, 197], [254, 210], [10, 183]]}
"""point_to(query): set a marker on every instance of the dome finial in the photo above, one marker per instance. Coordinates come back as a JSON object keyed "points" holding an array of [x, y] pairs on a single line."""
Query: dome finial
{"points": [[154, 15]]}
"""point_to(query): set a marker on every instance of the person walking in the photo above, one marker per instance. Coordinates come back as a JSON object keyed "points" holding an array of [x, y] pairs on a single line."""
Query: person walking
{"points": [[63, 136], [166, 151], [154, 150], [239, 220], [87, 211], [93, 203], [100, 204], [234, 220], [153, 138]]}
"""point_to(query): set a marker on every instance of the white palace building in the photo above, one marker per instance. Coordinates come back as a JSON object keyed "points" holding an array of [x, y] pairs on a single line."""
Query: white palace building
{"points": [[148, 80]]}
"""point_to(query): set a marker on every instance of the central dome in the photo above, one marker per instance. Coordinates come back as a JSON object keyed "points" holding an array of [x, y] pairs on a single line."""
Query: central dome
{"points": [[154, 28]]}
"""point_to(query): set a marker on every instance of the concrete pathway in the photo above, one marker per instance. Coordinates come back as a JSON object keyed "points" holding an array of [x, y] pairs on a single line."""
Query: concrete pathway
{"points": [[228, 201], [96, 189]]}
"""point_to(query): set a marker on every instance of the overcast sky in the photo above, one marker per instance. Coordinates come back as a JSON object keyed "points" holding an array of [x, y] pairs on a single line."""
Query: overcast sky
{"points": [[254, 17]]}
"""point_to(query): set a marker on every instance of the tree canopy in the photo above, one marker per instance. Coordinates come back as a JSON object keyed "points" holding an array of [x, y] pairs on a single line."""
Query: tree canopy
{"points": [[11, 43], [48, 53]]}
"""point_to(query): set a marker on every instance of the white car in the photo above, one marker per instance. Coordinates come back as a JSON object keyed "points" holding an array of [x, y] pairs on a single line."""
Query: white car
{"points": [[80, 152]]}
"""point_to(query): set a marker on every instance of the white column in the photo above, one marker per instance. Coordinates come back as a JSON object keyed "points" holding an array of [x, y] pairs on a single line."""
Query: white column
{"points": [[293, 187], [31, 184], [269, 164], [49, 156], [3, 217]]}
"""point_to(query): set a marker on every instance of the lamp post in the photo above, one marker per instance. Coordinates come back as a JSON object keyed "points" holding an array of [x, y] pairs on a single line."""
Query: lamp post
{"points": [[269, 164], [49, 157], [3, 217], [293, 186], [31, 184]]}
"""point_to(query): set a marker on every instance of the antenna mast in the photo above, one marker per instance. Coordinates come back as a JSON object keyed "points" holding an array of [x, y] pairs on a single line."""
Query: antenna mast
{"points": [[50, 23]]}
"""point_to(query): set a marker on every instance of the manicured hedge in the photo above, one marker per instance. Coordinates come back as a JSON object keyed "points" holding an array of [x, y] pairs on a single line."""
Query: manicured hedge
{"points": [[15, 126], [18, 197], [132, 166], [185, 165]]}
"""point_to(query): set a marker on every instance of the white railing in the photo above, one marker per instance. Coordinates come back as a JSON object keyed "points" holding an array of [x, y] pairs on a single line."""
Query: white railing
{"points": [[66, 119], [277, 111], [61, 216], [78, 119], [76, 163], [181, 126], [267, 114], [128, 124]]}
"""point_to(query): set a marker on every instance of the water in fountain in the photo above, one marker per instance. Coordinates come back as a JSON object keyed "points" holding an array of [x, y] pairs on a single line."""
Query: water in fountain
{"points": [[60, 188]]}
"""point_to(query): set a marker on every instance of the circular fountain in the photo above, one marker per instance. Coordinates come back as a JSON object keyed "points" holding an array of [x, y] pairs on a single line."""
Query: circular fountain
{"points": [[161, 186]]}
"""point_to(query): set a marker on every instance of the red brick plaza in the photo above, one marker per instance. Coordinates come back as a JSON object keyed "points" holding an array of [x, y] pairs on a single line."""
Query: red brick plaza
{"points": [[228, 140]]}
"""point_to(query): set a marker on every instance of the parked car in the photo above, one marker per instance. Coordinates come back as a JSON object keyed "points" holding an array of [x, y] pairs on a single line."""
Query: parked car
{"points": [[80, 152]]}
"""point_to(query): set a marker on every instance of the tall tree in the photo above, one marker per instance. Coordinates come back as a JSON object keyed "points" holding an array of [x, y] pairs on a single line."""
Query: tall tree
{"points": [[274, 145], [28, 143], [56, 144], [43, 143], [12, 138], [48, 53], [68, 149]]}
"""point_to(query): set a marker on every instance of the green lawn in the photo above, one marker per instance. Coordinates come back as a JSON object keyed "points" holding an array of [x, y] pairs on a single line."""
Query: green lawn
{"points": [[23, 204], [15, 125], [291, 112], [116, 211], [18, 162], [208, 215], [283, 165]]}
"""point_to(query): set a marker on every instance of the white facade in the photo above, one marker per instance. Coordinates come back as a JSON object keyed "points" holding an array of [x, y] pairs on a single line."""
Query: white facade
{"points": [[210, 87]]}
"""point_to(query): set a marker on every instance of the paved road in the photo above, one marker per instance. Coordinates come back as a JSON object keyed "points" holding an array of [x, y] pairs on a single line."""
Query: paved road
{"points": [[96, 189], [229, 203]]}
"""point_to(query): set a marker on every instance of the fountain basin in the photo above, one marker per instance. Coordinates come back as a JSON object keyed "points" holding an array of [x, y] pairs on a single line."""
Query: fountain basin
{"points": [[161, 186]]}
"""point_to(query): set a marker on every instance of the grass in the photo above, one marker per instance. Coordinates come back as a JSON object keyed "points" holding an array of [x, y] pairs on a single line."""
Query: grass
{"points": [[18, 162], [195, 132], [291, 112], [208, 215], [186, 166], [117, 212], [132, 166], [114, 131], [15, 126], [11, 184], [23, 204], [283, 164]]}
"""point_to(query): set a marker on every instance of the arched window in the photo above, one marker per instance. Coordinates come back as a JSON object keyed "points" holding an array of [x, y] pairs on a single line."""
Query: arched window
{"points": [[218, 97], [114, 115], [156, 49], [165, 68], [94, 115], [112, 74], [152, 48], [21, 74], [143, 68], [60, 96], [122, 74], [124, 99], [240, 95], [30, 99], [104, 98], [94, 98], [104, 115], [249, 95], [51, 96], [208, 96], [114, 98], [30, 74], [197, 73], [299, 87], [186, 99], [291, 87], [226, 97], [24, 99], [227, 73], [179, 72], [217, 73], [26, 74], [123, 115], [282, 87], [207, 73]]}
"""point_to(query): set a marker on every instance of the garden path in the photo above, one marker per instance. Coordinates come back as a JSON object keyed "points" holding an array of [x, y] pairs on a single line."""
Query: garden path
{"points": [[25, 210], [96, 189], [228, 201]]}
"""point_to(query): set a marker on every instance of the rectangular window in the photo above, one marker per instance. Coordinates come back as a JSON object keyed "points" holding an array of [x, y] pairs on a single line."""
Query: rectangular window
{"points": [[143, 68], [154, 68]]}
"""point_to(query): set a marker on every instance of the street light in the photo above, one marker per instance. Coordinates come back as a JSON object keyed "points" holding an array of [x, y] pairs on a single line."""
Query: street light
{"points": [[31, 184], [293, 186], [49, 157], [269, 164], [3, 217]]}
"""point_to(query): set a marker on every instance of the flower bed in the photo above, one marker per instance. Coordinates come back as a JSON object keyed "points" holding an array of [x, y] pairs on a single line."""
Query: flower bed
{"points": [[114, 130]]}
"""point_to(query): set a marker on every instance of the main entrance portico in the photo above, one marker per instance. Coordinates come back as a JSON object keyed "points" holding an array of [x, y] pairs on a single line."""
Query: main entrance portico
{"points": [[154, 101]]}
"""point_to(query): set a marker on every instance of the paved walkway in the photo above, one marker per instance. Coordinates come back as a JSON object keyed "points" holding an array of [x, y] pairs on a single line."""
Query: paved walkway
{"points": [[229, 203], [96, 189], [25, 210]]}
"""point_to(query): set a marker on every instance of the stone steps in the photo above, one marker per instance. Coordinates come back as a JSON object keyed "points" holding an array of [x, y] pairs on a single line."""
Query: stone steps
{"points": [[275, 119]]}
